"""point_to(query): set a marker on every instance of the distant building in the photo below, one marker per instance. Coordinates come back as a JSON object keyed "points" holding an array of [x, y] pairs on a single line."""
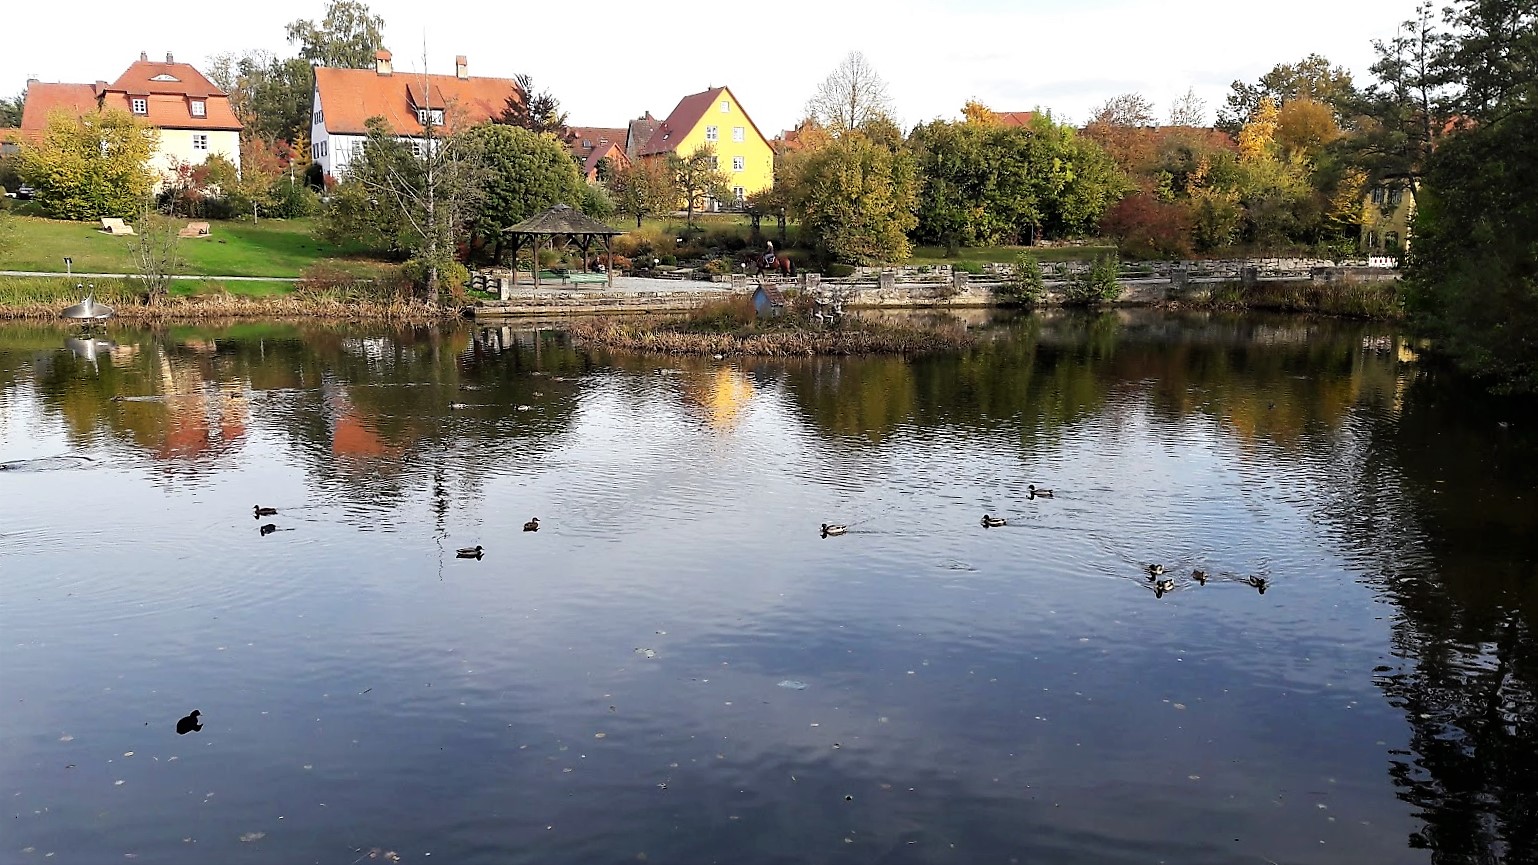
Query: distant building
{"points": [[1388, 211], [638, 132], [590, 145], [194, 117], [345, 100], [1015, 118], [715, 118]]}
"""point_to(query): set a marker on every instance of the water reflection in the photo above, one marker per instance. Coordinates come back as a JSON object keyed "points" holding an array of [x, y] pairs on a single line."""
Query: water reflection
{"points": [[1279, 605]]}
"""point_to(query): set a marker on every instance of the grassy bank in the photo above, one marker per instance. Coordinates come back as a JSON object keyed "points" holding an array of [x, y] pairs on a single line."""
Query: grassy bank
{"points": [[268, 248], [932, 255], [1350, 299], [718, 329], [44, 298]]}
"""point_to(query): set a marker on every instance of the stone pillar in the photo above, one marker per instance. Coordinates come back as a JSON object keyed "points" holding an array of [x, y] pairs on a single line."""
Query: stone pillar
{"points": [[1249, 276], [1180, 277], [739, 282], [504, 289], [887, 281], [811, 281], [959, 280]]}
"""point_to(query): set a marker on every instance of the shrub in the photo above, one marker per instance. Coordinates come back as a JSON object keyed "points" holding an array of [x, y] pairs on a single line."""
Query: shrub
{"points": [[1145, 227], [839, 270], [722, 316], [668, 259], [1095, 284], [968, 266], [1026, 285]]}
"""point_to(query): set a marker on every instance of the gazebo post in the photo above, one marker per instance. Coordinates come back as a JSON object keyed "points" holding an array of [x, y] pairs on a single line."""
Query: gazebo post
{"points": [[535, 265], [608, 269], [516, 242]]}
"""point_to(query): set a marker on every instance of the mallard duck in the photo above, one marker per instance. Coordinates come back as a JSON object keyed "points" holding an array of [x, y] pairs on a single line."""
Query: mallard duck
{"points": [[189, 724], [1260, 583], [992, 522], [532, 525], [1163, 586], [1155, 571], [469, 552], [258, 511], [828, 529], [1199, 576], [1039, 493]]}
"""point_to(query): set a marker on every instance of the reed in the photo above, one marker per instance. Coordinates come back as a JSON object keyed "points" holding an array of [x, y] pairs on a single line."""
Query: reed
{"points": [[1346, 298], [42, 298], [666, 337]]}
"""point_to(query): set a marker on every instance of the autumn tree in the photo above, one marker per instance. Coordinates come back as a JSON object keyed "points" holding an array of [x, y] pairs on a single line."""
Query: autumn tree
{"points": [[1188, 110], [1311, 77], [643, 189], [1125, 110], [271, 96], [523, 173], [156, 250], [92, 166], [536, 112], [856, 199], [852, 95], [976, 112], [1121, 126], [698, 178], [347, 37]]}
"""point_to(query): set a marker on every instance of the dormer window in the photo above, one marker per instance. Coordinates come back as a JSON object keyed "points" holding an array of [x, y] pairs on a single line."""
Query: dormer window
{"points": [[164, 76], [199, 108], [140, 105], [433, 116]]}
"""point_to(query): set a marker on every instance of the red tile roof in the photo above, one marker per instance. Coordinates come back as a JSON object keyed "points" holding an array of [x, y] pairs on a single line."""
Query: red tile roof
{"points": [[44, 99], [349, 97], [170, 89], [1016, 118], [638, 132], [611, 152], [690, 110]]}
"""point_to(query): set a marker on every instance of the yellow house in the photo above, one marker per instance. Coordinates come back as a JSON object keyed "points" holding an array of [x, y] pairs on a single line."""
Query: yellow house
{"points": [[1387, 215], [715, 118]]}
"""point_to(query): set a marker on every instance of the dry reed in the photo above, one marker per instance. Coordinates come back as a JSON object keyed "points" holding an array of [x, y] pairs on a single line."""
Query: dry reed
{"points": [[662, 337]]}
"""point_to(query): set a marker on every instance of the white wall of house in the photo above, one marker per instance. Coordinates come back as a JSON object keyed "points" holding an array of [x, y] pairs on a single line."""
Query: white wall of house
{"points": [[320, 139], [194, 146]]}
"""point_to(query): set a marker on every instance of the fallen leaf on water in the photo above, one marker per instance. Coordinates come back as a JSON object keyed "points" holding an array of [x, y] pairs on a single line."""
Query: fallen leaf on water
{"points": [[252, 836]]}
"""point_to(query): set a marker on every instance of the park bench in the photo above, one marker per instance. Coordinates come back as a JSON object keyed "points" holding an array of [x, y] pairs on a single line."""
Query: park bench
{"points": [[115, 226]]}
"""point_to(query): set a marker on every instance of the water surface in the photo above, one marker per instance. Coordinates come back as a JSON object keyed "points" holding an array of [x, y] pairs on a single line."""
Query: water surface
{"points": [[678, 668]]}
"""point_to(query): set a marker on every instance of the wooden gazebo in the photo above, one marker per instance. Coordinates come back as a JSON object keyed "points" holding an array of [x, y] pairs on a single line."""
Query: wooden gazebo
{"points": [[561, 220]]}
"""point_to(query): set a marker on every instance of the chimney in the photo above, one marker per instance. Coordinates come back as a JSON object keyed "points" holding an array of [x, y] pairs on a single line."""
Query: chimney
{"points": [[144, 57], [382, 62], [169, 58], [461, 68]]}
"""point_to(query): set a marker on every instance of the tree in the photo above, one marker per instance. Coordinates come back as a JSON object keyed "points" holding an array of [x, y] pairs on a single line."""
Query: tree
{"points": [[413, 197], [537, 113], [856, 199], [1402, 114], [699, 177], [644, 188], [1188, 110], [10, 111], [976, 112], [852, 95], [522, 173], [1125, 110], [1305, 127], [348, 37], [1313, 76], [270, 95], [156, 251], [91, 166], [1121, 126]]}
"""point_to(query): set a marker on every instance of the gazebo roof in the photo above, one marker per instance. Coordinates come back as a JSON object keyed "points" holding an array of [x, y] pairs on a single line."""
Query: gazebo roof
{"points": [[562, 219]]}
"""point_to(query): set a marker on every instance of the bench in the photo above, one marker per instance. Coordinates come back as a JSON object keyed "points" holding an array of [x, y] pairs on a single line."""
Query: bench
{"points": [[566, 277], [194, 229], [115, 226]]}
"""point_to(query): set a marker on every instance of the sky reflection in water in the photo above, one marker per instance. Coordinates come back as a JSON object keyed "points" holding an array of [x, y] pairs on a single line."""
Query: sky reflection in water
{"points": [[610, 686]]}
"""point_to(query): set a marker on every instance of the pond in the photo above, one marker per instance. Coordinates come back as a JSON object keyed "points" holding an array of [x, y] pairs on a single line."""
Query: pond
{"points": [[678, 667]]}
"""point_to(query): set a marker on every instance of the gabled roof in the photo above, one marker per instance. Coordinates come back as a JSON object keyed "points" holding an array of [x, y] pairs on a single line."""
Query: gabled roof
{"points": [[349, 97], [562, 219], [1015, 118], [611, 152], [44, 99], [145, 76], [687, 115], [638, 132], [582, 139], [169, 90]]}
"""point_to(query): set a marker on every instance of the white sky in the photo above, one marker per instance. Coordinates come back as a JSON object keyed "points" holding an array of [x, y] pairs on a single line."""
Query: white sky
{"points": [[609, 61]]}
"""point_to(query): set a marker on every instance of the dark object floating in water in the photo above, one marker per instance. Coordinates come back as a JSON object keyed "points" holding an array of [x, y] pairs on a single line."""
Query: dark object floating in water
{"points": [[189, 724], [1260, 583], [88, 310], [1155, 571], [1199, 576], [1038, 493], [474, 552], [829, 530], [268, 529], [532, 525], [1164, 586], [992, 522], [259, 511]]}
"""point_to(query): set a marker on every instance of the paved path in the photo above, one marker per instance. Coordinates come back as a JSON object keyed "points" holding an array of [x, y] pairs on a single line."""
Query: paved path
{"points": [[133, 275]]}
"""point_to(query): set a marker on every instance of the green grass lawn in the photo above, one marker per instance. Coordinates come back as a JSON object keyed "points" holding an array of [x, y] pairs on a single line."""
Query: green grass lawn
{"points": [[268, 248], [932, 255]]}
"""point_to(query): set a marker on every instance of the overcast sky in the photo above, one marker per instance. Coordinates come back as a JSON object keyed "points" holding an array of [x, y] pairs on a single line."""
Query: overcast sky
{"points": [[609, 61]]}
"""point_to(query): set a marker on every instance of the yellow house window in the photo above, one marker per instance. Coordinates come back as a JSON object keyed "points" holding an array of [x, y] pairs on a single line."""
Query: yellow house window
{"points": [[739, 133], [712, 133], [739, 163], [726, 106]]}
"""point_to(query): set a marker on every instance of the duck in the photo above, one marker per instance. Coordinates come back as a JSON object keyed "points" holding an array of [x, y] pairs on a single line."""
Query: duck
{"points": [[1200, 576], [267, 529], [1155, 571], [189, 724], [259, 511], [828, 529], [1163, 586], [474, 552], [1039, 493], [992, 522], [532, 525], [1260, 583]]}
